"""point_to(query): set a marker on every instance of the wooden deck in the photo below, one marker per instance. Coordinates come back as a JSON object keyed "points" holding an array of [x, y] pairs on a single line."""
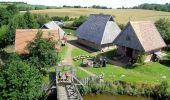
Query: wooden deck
{"points": [[61, 93], [67, 90]]}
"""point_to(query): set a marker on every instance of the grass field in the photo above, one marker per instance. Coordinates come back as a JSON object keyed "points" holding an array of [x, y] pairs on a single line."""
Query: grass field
{"points": [[122, 15], [63, 51], [150, 73], [68, 31], [77, 52]]}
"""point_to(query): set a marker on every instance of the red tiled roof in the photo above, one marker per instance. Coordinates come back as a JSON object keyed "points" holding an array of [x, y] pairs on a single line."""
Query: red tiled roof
{"points": [[24, 36]]}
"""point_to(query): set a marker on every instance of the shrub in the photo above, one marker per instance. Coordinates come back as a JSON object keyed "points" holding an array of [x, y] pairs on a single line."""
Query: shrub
{"points": [[141, 58], [79, 21], [125, 88], [164, 86], [121, 26]]}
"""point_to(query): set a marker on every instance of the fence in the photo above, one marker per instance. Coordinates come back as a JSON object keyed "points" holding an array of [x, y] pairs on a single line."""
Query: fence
{"points": [[87, 80]]}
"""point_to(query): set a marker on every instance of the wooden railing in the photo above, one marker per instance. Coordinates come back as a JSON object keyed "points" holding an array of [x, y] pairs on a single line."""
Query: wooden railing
{"points": [[79, 97], [86, 80]]}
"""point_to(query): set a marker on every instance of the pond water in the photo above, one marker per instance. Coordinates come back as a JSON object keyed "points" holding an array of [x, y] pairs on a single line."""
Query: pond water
{"points": [[113, 97]]}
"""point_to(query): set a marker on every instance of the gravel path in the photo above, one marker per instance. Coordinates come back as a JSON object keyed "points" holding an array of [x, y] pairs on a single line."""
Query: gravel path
{"points": [[68, 59]]}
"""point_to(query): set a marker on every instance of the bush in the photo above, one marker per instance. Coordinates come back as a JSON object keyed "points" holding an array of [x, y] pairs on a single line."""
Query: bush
{"points": [[121, 26], [21, 81], [163, 26], [79, 21], [60, 18], [125, 88], [110, 54], [141, 58]]}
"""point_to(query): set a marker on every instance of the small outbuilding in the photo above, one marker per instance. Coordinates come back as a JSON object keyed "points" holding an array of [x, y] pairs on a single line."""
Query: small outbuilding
{"points": [[98, 32], [24, 36], [137, 37], [54, 25]]}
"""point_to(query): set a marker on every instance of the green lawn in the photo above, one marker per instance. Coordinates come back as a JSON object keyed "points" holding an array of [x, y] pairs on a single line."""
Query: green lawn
{"points": [[150, 73], [77, 52], [81, 74], [63, 51], [68, 31]]}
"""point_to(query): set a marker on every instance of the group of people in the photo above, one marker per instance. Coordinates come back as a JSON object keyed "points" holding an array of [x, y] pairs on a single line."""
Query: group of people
{"points": [[102, 61], [61, 77]]}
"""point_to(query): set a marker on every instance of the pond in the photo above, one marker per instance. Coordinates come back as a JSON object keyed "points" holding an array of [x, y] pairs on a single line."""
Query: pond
{"points": [[113, 97]]}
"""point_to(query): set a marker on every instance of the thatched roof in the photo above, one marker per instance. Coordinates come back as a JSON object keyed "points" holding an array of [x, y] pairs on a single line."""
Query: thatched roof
{"points": [[99, 28], [140, 35], [24, 36], [54, 25]]}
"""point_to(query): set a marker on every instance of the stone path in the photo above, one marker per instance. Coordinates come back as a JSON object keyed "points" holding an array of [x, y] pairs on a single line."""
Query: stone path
{"points": [[68, 59]]}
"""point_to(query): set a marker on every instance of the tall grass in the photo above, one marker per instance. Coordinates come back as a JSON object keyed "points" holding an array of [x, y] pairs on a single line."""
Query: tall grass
{"points": [[158, 92]]}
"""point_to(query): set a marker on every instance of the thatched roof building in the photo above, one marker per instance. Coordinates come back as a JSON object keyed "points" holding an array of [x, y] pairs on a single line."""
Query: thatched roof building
{"points": [[139, 36], [98, 31], [24, 36], [54, 25]]}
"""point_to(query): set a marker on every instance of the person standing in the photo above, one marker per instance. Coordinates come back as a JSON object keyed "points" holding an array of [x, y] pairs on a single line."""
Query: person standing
{"points": [[59, 76], [104, 62]]}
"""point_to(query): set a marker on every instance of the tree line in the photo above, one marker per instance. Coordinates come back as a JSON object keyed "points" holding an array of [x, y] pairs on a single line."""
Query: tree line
{"points": [[93, 6], [157, 7], [22, 6]]}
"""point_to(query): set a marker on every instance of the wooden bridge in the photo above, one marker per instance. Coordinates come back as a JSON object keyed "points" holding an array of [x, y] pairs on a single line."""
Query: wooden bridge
{"points": [[67, 89]]}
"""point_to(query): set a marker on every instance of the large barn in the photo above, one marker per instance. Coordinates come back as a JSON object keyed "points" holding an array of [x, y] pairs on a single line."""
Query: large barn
{"points": [[54, 25], [140, 36], [98, 32], [24, 36]]}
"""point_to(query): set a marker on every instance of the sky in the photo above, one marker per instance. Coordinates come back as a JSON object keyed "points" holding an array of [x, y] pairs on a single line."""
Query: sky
{"points": [[108, 3]]}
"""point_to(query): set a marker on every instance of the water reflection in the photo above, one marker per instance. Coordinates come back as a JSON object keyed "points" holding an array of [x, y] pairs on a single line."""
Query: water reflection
{"points": [[113, 97]]}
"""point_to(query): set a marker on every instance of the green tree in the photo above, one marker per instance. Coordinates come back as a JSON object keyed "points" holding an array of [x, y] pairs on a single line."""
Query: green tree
{"points": [[30, 20], [7, 13], [3, 31], [41, 19], [19, 81], [4, 16], [43, 51], [163, 26], [57, 18], [12, 9], [10, 35], [121, 26], [19, 21], [79, 21], [66, 18]]}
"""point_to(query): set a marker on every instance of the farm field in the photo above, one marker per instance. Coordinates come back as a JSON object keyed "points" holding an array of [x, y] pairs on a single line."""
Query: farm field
{"points": [[121, 15]]}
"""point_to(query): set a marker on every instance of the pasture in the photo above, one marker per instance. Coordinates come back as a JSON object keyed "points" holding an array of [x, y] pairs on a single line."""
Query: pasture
{"points": [[121, 15]]}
